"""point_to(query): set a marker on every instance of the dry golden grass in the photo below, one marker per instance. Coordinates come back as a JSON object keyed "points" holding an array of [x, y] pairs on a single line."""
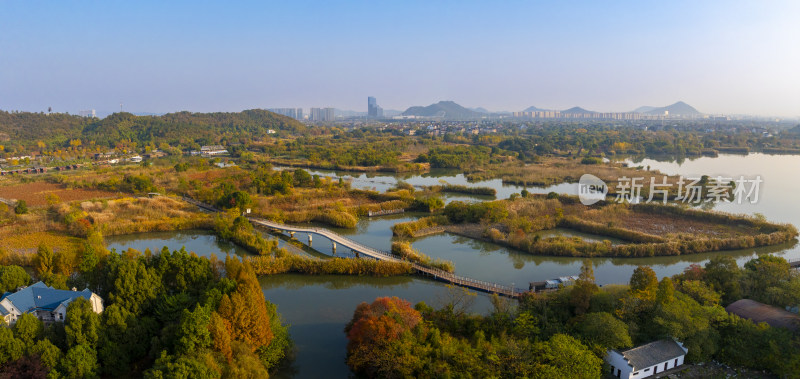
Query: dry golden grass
{"points": [[36, 193], [669, 226], [19, 242], [209, 175], [329, 205], [29, 242], [134, 215], [554, 170]]}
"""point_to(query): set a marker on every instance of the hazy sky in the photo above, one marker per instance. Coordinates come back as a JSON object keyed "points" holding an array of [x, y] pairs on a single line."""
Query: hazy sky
{"points": [[163, 56]]}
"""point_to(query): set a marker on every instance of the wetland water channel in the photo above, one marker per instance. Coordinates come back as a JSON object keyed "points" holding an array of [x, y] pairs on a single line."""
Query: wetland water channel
{"points": [[318, 307]]}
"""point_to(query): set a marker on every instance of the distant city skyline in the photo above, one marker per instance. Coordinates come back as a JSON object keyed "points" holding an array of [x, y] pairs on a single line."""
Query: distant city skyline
{"points": [[721, 57]]}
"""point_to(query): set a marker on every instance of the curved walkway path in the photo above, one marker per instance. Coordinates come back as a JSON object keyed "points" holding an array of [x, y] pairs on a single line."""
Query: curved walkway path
{"points": [[359, 248]]}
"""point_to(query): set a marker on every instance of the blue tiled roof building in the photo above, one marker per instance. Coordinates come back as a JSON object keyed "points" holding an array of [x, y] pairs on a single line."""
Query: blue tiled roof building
{"points": [[46, 303]]}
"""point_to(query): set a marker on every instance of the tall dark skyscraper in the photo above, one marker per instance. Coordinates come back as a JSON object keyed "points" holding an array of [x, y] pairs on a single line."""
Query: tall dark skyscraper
{"points": [[373, 110]]}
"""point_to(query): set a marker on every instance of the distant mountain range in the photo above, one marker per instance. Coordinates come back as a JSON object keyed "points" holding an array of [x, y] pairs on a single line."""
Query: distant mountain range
{"points": [[577, 110], [451, 110], [678, 109], [443, 109], [535, 109], [644, 109]]}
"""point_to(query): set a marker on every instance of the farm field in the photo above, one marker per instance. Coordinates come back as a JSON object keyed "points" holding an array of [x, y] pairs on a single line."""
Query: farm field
{"points": [[35, 193]]}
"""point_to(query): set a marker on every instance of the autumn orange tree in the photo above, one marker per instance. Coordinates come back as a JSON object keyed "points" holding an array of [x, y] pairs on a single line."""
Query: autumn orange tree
{"points": [[385, 318], [372, 331], [243, 312]]}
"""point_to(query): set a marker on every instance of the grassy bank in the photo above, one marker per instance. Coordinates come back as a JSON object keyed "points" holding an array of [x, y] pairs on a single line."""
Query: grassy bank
{"points": [[265, 265], [413, 228], [459, 188], [650, 229], [404, 250], [398, 167]]}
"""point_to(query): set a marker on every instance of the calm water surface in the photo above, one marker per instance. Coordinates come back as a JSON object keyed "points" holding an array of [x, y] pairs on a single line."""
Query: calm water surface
{"points": [[202, 242], [384, 181], [319, 307]]}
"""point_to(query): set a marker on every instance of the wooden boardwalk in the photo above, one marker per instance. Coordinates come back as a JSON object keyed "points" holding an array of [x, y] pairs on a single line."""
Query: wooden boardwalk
{"points": [[361, 249], [385, 212]]}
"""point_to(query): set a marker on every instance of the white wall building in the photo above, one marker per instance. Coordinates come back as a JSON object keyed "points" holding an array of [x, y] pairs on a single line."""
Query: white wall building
{"points": [[46, 303], [646, 360], [213, 150]]}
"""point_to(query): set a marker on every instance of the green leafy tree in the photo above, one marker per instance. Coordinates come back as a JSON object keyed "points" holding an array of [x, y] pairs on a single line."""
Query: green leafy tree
{"points": [[57, 281], [644, 283], [13, 277], [193, 332], [666, 291], [765, 276], [28, 329], [115, 350], [758, 346], [584, 288], [182, 366], [88, 267], [80, 362], [11, 348], [700, 292], [603, 331], [569, 358], [44, 261], [49, 354], [687, 321], [21, 208], [82, 324], [132, 284], [724, 276], [526, 325]]}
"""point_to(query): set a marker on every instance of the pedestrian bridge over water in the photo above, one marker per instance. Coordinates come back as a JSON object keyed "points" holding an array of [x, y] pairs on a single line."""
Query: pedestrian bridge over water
{"points": [[360, 249]]}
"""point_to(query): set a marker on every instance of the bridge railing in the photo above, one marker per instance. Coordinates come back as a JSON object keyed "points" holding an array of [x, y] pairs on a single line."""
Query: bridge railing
{"points": [[356, 246]]}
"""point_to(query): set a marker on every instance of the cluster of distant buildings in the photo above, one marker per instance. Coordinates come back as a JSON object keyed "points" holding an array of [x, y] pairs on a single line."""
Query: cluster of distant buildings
{"points": [[295, 113], [586, 115], [440, 128], [88, 113], [315, 114], [327, 114], [210, 151], [373, 109]]}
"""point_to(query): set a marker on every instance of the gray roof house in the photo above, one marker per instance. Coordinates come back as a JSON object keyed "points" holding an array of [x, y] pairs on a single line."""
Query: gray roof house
{"points": [[46, 303], [646, 360]]}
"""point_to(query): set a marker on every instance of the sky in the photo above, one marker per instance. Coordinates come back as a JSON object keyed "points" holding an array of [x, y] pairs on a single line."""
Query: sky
{"points": [[722, 57]]}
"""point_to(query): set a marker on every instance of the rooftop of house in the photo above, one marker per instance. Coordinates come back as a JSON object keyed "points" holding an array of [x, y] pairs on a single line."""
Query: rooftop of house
{"points": [[39, 296], [759, 312], [652, 353]]}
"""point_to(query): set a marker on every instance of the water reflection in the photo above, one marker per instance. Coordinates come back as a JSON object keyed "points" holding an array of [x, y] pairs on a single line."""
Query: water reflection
{"points": [[202, 242], [319, 307]]}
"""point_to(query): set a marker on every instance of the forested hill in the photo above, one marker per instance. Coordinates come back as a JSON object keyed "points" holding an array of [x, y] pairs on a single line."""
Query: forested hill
{"points": [[186, 127], [27, 128], [23, 130]]}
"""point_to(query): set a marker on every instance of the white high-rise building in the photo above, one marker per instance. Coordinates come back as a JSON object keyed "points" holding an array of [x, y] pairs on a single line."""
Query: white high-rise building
{"points": [[88, 113], [322, 114]]}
